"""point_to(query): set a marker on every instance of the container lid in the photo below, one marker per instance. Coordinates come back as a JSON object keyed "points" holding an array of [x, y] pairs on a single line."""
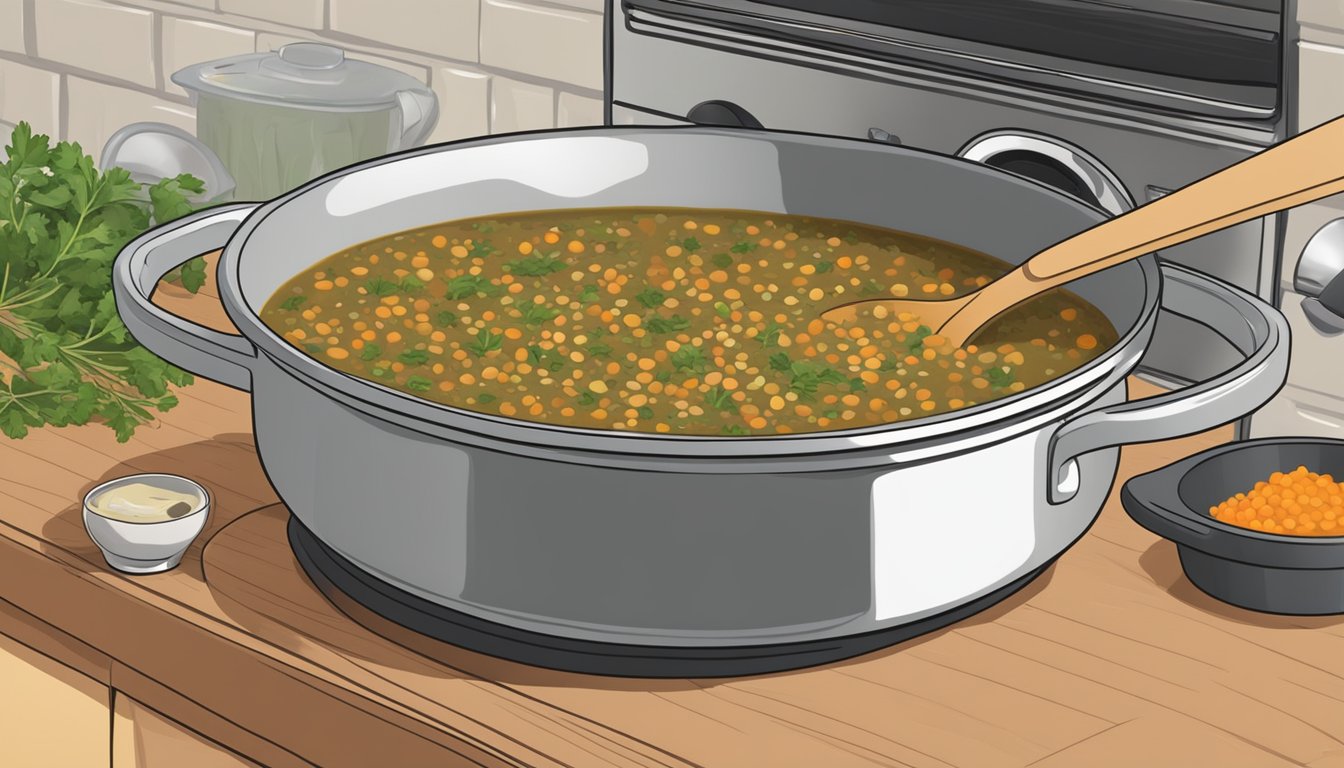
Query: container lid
{"points": [[309, 75]]}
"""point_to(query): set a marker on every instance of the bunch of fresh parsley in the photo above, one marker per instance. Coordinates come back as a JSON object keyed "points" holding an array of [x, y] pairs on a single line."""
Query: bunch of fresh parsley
{"points": [[65, 357]]}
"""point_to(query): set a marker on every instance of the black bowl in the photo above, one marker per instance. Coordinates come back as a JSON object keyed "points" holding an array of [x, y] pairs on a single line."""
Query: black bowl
{"points": [[1297, 575]]}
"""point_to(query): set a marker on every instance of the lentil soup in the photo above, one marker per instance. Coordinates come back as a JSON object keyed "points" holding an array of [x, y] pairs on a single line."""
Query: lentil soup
{"points": [[682, 321]]}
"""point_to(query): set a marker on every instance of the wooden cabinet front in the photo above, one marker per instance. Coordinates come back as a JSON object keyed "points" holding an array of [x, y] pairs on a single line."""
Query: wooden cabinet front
{"points": [[50, 714], [143, 738]]}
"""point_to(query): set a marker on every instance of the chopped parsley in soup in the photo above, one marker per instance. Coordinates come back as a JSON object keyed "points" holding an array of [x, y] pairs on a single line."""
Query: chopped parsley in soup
{"points": [[680, 321]]}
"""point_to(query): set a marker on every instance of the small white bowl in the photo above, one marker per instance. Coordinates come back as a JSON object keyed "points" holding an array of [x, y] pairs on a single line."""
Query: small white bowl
{"points": [[149, 547]]}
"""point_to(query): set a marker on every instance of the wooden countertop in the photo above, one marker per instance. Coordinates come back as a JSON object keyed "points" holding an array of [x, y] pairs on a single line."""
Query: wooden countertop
{"points": [[1111, 658]]}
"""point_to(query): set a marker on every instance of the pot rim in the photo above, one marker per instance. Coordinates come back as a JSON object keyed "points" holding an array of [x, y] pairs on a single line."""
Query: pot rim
{"points": [[1109, 367]]}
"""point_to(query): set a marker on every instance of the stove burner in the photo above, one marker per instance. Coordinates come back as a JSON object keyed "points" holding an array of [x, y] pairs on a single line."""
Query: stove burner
{"points": [[334, 575], [1045, 170]]}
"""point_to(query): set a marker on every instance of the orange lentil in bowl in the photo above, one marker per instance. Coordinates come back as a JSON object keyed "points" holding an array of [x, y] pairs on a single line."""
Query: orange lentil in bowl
{"points": [[1296, 503]]}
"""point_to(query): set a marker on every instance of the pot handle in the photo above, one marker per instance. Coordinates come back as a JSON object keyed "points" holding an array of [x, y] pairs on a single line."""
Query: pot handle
{"points": [[222, 357], [419, 115], [1257, 330]]}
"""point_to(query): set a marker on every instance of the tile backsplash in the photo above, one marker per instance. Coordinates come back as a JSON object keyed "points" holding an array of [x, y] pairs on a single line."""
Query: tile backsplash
{"points": [[81, 69]]}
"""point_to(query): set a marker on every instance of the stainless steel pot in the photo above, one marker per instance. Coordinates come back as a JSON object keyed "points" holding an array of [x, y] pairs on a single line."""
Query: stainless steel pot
{"points": [[657, 554]]}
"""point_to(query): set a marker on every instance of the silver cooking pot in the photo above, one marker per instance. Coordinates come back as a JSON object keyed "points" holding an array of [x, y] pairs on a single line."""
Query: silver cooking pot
{"points": [[661, 554]]}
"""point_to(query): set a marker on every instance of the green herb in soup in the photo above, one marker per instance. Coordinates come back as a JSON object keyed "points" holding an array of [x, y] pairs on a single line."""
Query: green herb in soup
{"points": [[682, 321]]}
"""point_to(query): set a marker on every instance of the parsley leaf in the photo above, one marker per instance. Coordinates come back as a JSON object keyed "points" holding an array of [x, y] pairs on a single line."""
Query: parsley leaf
{"points": [[1000, 377], [808, 377], [688, 358], [770, 336], [872, 287], [719, 398], [486, 342], [651, 297], [294, 302], [380, 287], [414, 357], [65, 357], [660, 324], [916, 340], [536, 314], [536, 266], [464, 286]]}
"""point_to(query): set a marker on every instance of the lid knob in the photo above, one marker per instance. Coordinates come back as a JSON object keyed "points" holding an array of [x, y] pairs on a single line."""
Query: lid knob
{"points": [[312, 55]]}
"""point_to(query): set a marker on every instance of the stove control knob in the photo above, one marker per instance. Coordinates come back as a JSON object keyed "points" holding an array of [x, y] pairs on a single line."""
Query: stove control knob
{"points": [[877, 134], [1054, 162], [722, 113], [1320, 278]]}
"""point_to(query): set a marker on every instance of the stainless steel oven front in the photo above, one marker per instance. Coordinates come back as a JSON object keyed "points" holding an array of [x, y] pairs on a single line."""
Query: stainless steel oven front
{"points": [[1134, 101]]}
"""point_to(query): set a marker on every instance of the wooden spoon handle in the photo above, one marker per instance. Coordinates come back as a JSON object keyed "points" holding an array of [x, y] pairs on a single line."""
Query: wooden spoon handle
{"points": [[1304, 168]]}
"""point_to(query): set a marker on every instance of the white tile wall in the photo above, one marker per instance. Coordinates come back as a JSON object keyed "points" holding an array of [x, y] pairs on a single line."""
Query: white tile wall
{"points": [[542, 41], [11, 26], [519, 106], [446, 28], [573, 110], [1320, 97], [1321, 13], [187, 41], [596, 6], [28, 93], [1320, 84], [464, 103], [542, 58], [1311, 405], [112, 40], [309, 14], [97, 110]]}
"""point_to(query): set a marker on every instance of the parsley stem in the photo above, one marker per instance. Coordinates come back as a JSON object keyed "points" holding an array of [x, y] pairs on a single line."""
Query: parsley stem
{"points": [[26, 301]]}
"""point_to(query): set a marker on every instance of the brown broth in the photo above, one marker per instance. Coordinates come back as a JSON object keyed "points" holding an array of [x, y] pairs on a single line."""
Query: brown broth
{"points": [[681, 321]]}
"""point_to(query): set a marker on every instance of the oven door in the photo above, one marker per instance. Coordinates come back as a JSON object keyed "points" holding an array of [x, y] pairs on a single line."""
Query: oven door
{"points": [[1217, 58]]}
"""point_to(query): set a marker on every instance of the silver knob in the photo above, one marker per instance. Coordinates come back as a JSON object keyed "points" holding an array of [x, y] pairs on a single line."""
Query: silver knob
{"points": [[312, 55], [1319, 278], [886, 137]]}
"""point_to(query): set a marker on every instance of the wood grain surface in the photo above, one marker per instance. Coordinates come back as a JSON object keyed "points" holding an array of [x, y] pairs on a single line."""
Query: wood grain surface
{"points": [[1111, 658]]}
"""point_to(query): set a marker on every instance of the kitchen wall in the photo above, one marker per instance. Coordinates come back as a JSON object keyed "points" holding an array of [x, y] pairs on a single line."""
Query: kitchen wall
{"points": [[1317, 65], [1312, 403], [81, 69]]}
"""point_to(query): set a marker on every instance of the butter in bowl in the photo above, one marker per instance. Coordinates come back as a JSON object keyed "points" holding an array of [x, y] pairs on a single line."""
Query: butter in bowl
{"points": [[144, 523], [1258, 524]]}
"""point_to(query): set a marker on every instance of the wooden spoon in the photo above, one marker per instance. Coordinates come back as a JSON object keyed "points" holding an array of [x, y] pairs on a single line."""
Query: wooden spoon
{"points": [[1304, 168]]}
